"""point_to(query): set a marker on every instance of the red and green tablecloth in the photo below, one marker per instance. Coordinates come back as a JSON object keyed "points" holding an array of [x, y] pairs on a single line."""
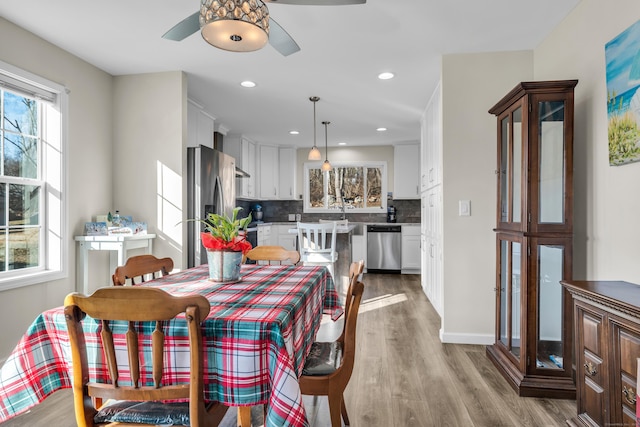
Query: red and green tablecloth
{"points": [[256, 338]]}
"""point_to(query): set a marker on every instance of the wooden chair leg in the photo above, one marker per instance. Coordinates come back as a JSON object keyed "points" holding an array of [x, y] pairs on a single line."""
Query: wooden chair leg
{"points": [[217, 413], [343, 409], [334, 409], [244, 416]]}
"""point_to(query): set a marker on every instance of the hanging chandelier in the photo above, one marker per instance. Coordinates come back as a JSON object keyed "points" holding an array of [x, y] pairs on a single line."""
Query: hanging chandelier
{"points": [[235, 25]]}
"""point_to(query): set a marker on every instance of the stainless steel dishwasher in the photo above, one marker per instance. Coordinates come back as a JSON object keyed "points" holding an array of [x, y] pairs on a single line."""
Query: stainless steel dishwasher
{"points": [[384, 248]]}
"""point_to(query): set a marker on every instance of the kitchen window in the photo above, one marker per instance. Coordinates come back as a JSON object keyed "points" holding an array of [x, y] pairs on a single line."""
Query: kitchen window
{"points": [[354, 187], [33, 244]]}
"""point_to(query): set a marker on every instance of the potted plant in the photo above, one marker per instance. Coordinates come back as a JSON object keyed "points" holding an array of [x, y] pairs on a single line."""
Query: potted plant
{"points": [[225, 240]]}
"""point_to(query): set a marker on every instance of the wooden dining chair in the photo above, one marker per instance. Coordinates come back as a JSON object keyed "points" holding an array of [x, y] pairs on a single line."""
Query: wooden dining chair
{"points": [[137, 404], [273, 255], [139, 268], [316, 247], [329, 365], [355, 275]]}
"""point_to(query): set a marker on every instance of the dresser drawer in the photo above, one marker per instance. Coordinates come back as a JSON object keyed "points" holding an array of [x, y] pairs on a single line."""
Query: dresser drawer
{"points": [[592, 368], [592, 332], [628, 393]]}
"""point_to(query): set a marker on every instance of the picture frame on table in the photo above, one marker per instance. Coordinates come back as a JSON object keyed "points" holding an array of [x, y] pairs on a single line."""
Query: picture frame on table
{"points": [[96, 229]]}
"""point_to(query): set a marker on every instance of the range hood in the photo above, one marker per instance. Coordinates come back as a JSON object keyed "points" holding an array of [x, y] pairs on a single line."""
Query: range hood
{"points": [[241, 174]]}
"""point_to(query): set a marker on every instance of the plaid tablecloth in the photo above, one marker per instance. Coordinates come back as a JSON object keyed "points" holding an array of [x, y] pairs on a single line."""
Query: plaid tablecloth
{"points": [[256, 339]]}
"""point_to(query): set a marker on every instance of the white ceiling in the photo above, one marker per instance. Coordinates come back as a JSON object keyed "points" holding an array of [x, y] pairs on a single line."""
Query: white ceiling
{"points": [[343, 49]]}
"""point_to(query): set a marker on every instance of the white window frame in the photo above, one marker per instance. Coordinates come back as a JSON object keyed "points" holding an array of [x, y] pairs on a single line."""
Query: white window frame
{"points": [[54, 248], [351, 164]]}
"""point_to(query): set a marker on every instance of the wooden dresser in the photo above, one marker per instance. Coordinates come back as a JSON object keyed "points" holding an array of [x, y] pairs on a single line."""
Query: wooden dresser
{"points": [[607, 345]]}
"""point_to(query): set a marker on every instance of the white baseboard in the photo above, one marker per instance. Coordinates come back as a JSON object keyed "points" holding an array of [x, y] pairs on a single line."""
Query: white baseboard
{"points": [[455, 338]]}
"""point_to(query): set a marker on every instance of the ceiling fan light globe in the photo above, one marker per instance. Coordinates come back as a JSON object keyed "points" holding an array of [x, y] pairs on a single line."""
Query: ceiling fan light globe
{"points": [[235, 36]]}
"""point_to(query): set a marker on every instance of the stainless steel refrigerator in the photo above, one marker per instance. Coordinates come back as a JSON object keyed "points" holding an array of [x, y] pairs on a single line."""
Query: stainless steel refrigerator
{"points": [[210, 188]]}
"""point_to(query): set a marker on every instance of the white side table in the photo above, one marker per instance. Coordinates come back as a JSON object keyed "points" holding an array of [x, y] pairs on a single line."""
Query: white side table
{"points": [[118, 245]]}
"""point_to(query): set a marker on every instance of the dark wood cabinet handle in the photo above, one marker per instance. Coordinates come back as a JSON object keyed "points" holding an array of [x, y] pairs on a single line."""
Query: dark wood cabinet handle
{"points": [[590, 369], [629, 395]]}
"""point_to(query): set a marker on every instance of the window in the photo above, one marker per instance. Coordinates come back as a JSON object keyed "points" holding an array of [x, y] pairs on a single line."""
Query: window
{"points": [[32, 193], [356, 187]]}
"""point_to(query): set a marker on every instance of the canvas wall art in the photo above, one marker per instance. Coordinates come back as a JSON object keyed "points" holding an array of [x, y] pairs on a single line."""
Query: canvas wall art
{"points": [[623, 97]]}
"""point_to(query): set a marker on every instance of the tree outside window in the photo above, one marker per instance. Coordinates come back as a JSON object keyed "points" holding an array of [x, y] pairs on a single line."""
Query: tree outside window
{"points": [[356, 187], [34, 241], [20, 184]]}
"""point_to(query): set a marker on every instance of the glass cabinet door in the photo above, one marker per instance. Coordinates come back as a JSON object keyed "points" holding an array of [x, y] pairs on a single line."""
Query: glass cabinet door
{"points": [[509, 296], [551, 197], [551, 256], [510, 164]]}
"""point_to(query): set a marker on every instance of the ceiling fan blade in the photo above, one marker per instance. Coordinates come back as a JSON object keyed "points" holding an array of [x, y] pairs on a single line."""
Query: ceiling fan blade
{"points": [[317, 2], [281, 40], [184, 28]]}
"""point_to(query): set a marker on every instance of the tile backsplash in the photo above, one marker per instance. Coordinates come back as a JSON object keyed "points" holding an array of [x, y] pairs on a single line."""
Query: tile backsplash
{"points": [[279, 210]]}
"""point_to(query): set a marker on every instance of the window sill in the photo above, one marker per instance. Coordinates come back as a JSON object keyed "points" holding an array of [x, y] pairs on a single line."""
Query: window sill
{"points": [[35, 278]]}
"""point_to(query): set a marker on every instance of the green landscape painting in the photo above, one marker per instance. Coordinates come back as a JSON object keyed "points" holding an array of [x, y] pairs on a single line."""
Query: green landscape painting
{"points": [[623, 98]]}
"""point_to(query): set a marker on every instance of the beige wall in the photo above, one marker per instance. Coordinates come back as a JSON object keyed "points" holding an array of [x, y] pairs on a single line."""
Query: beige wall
{"points": [[607, 203], [471, 84], [150, 152], [145, 117], [89, 165], [607, 200]]}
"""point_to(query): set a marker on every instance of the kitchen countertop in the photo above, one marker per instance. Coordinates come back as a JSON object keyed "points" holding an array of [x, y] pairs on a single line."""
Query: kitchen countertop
{"points": [[340, 229], [293, 223], [355, 228]]}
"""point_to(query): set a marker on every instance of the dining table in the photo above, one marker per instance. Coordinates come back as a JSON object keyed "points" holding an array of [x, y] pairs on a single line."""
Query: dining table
{"points": [[256, 339]]}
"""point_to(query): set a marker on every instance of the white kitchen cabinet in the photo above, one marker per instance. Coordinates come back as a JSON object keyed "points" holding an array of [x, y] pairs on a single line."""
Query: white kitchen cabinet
{"points": [[200, 126], [431, 143], [410, 248], [248, 185], [264, 234], [277, 172], [282, 237], [286, 173], [406, 171], [268, 175], [244, 151], [432, 265], [431, 202]]}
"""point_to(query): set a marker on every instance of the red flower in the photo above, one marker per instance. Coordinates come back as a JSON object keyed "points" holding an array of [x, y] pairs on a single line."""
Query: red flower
{"points": [[238, 244]]}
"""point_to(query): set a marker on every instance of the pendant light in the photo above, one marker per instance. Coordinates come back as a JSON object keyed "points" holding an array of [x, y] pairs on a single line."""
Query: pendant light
{"points": [[326, 166], [314, 154]]}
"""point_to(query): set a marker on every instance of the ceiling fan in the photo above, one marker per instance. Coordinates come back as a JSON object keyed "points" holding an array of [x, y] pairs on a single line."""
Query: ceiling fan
{"points": [[243, 25]]}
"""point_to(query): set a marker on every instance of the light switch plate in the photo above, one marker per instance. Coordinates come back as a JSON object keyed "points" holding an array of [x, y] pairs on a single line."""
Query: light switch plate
{"points": [[292, 217], [464, 207]]}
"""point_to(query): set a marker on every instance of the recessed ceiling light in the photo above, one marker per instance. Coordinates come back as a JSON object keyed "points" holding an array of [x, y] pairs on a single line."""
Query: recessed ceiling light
{"points": [[385, 76], [247, 83], [293, 132], [342, 143], [381, 129]]}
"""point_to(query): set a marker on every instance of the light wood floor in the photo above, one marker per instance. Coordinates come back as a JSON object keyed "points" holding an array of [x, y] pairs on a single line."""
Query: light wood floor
{"points": [[404, 376]]}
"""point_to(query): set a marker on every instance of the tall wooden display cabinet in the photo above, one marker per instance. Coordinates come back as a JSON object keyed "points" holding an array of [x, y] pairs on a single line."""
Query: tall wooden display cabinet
{"points": [[533, 343]]}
